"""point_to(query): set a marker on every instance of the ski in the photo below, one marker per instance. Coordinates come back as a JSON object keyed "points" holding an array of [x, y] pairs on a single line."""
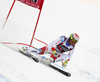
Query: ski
{"points": [[55, 66], [38, 58], [30, 56], [61, 70]]}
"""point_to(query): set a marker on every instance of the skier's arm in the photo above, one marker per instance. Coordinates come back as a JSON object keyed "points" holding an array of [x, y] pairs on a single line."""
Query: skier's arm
{"points": [[70, 54], [69, 57], [56, 42]]}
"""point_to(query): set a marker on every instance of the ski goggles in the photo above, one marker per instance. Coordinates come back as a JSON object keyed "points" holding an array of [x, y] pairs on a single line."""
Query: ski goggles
{"points": [[72, 39]]}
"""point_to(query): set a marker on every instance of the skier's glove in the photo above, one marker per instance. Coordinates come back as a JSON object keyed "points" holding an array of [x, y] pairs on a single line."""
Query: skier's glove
{"points": [[55, 54], [65, 63]]}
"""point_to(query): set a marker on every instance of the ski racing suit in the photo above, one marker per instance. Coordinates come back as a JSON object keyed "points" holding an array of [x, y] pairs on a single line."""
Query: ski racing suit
{"points": [[60, 46]]}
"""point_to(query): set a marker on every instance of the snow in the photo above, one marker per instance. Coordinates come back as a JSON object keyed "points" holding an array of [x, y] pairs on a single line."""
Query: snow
{"points": [[57, 18]]}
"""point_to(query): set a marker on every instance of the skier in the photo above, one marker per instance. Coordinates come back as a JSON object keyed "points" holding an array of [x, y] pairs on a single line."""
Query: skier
{"points": [[58, 47]]}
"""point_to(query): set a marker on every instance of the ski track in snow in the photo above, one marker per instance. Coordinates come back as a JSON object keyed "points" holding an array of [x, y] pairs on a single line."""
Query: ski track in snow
{"points": [[4, 79], [9, 74]]}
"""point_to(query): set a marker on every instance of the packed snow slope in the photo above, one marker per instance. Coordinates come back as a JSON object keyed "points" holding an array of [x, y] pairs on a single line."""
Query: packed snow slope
{"points": [[57, 18]]}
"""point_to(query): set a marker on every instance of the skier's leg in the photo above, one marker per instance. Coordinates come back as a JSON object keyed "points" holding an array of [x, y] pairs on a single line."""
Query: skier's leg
{"points": [[62, 57]]}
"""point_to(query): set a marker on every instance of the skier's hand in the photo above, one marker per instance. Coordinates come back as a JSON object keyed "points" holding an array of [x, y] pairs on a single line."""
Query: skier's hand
{"points": [[55, 54], [65, 63]]}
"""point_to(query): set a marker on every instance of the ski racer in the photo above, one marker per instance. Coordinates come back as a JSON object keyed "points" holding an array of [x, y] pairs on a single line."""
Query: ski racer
{"points": [[58, 47]]}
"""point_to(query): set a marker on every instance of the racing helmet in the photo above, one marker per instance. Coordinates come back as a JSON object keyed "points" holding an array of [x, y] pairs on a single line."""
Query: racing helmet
{"points": [[74, 37]]}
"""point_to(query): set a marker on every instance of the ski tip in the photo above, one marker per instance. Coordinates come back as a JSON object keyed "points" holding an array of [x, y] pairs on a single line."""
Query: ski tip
{"points": [[68, 74], [36, 60]]}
